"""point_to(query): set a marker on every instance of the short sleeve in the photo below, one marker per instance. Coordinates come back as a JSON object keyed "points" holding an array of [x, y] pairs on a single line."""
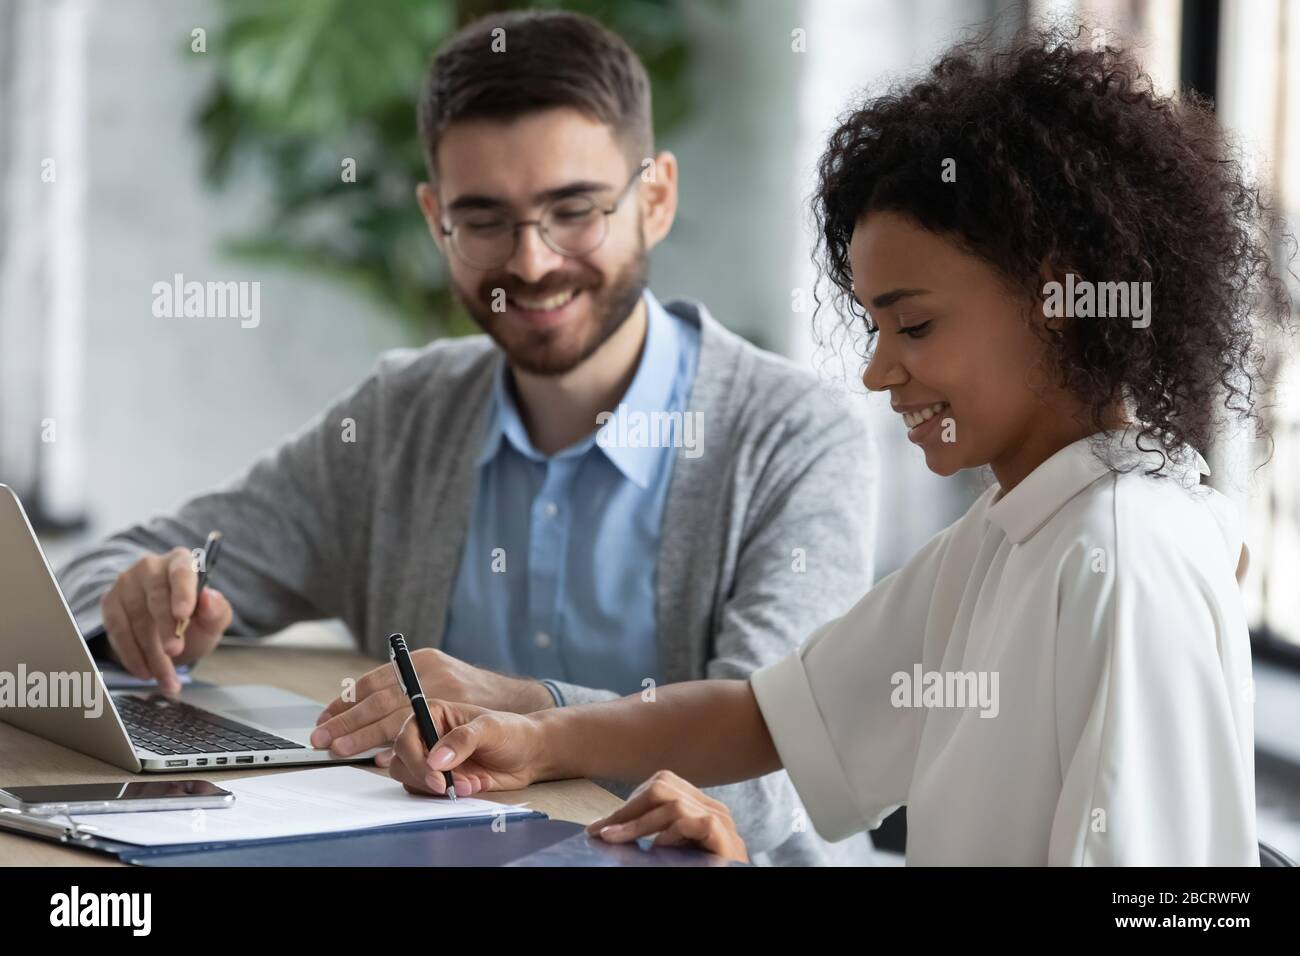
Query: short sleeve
{"points": [[1154, 706], [848, 750]]}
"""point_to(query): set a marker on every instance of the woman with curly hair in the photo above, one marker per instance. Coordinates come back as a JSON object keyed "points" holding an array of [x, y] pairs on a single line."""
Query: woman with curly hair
{"points": [[1057, 271]]}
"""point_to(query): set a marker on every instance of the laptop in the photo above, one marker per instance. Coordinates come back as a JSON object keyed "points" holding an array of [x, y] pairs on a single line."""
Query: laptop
{"points": [[51, 686]]}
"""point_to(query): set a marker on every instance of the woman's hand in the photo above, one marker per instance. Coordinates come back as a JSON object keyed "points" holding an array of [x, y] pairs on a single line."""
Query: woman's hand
{"points": [[379, 707], [680, 813], [487, 750]]}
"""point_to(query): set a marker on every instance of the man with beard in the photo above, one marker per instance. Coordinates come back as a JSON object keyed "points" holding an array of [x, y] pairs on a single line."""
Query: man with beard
{"points": [[499, 499]]}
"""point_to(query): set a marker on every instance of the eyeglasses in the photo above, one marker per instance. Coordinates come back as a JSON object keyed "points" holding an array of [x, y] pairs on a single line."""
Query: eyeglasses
{"points": [[570, 225]]}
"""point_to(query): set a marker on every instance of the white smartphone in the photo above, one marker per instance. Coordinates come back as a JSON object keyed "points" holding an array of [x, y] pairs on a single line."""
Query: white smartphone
{"points": [[116, 797]]}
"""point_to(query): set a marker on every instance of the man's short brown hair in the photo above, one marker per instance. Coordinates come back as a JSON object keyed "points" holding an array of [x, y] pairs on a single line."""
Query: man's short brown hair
{"points": [[552, 59]]}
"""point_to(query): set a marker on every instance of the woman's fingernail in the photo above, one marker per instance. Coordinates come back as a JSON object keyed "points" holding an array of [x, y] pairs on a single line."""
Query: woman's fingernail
{"points": [[611, 832], [441, 757], [320, 738]]}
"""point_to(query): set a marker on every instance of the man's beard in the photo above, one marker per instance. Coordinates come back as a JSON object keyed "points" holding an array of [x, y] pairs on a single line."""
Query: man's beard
{"points": [[557, 351]]}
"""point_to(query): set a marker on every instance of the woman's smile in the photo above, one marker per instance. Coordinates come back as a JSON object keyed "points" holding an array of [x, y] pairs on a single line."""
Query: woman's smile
{"points": [[921, 420]]}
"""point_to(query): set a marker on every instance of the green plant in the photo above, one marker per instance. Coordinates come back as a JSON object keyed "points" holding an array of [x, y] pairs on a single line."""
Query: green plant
{"points": [[303, 85]]}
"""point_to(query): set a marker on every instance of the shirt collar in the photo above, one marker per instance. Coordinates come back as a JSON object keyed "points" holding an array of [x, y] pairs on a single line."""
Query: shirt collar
{"points": [[505, 421], [1049, 487], [652, 389]]}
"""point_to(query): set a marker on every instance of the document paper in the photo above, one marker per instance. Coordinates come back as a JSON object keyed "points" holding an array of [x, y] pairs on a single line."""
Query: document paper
{"points": [[324, 800]]}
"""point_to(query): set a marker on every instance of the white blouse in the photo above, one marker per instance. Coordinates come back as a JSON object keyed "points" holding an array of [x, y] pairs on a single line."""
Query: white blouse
{"points": [[1060, 677]]}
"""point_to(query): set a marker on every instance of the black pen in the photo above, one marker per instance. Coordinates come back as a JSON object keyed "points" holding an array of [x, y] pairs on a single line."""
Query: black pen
{"points": [[211, 548], [409, 681], [210, 552]]}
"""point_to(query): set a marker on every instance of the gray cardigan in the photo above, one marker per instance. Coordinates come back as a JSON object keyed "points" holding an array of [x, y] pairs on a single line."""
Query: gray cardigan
{"points": [[361, 516]]}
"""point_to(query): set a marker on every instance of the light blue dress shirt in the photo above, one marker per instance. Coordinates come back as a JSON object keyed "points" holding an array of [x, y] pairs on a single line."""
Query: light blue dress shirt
{"points": [[557, 575]]}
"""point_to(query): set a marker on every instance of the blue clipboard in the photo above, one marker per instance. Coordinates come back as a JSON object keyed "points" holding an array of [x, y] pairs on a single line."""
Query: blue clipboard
{"points": [[530, 840], [425, 843], [455, 842]]}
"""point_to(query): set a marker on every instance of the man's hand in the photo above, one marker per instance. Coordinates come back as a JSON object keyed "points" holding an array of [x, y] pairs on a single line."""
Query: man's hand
{"points": [[679, 812], [380, 708], [487, 750], [143, 608]]}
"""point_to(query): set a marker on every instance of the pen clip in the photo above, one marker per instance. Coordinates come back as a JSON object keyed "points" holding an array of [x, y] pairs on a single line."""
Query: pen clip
{"points": [[392, 656], [211, 548], [47, 826]]}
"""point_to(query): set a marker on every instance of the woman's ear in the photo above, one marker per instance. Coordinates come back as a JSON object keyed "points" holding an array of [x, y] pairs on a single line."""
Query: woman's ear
{"points": [[1053, 289]]}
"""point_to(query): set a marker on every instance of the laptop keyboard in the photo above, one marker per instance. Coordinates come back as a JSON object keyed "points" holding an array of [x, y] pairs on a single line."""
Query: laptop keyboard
{"points": [[171, 727]]}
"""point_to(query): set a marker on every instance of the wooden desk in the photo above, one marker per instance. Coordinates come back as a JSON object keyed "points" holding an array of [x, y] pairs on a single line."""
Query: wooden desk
{"points": [[315, 672]]}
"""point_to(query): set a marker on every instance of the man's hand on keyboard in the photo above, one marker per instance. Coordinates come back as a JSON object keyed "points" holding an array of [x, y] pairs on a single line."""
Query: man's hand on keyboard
{"points": [[143, 608]]}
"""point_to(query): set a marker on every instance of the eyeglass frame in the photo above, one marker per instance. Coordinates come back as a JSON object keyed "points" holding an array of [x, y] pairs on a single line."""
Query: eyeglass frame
{"points": [[520, 223]]}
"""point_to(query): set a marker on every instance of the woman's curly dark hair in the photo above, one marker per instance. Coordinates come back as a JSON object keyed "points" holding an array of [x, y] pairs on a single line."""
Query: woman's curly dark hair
{"points": [[1066, 156]]}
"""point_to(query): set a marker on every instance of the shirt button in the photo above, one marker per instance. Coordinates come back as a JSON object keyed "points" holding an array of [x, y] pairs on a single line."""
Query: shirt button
{"points": [[542, 640], [551, 509]]}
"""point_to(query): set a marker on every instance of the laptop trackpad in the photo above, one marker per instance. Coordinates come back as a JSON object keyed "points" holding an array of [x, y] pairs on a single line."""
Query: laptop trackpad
{"points": [[287, 717]]}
